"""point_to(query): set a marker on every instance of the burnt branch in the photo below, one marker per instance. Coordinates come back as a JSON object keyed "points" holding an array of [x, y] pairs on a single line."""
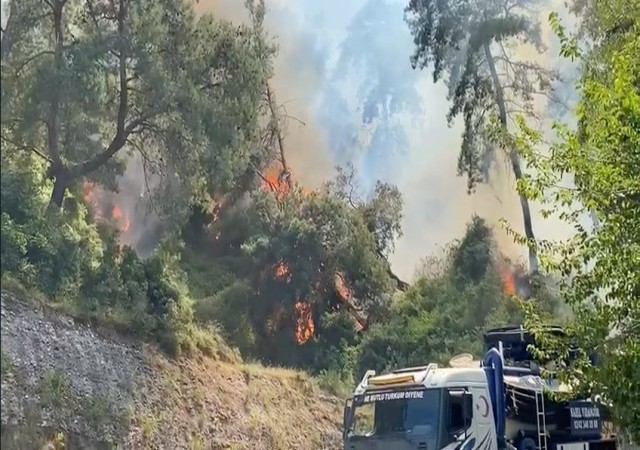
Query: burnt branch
{"points": [[274, 120]]}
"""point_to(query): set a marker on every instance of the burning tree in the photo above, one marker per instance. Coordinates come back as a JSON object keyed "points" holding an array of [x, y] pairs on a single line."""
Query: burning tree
{"points": [[307, 254], [104, 206], [319, 267], [315, 251]]}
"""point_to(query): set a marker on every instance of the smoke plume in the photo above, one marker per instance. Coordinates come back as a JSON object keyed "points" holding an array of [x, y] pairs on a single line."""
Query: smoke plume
{"points": [[343, 74]]}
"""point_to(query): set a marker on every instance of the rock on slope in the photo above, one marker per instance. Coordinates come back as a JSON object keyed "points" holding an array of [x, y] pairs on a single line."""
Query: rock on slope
{"points": [[58, 375]]}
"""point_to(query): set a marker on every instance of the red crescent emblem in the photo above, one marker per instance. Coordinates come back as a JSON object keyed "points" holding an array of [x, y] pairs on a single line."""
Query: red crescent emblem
{"points": [[486, 406]]}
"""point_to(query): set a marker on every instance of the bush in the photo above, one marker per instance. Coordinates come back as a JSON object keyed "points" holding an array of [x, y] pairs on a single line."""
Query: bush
{"points": [[44, 249], [231, 310], [445, 312], [78, 263]]}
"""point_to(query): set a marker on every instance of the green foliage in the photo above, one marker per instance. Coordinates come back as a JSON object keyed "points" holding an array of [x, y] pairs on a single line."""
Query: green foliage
{"points": [[54, 389], [48, 253], [231, 308], [74, 263], [5, 364], [90, 83], [445, 311], [469, 44], [289, 249], [194, 110], [600, 267]]}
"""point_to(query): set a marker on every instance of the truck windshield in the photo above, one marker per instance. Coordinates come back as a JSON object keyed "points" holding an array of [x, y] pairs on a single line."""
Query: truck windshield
{"points": [[413, 412]]}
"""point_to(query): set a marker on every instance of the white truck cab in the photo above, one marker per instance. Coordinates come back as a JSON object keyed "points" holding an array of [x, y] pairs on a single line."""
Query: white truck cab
{"points": [[483, 406], [421, 408]]}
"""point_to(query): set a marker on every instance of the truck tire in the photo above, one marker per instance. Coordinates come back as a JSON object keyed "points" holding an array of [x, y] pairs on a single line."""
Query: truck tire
{"points": [[527, 443]]}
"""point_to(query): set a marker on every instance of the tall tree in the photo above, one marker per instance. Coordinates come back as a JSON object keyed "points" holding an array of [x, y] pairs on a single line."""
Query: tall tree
{"points": [[471, 44], [94, 80], [600, 268]]}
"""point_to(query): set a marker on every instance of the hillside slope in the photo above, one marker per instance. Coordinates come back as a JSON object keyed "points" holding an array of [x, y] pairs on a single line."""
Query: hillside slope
{"points": [[103, 389]]}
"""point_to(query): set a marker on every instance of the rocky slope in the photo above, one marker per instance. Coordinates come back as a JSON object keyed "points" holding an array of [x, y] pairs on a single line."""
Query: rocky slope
{"points": [[104, 391]]}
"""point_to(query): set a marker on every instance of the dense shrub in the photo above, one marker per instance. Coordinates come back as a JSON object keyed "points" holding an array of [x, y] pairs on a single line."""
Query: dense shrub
{"points": [[80, 265], [445, 311]]}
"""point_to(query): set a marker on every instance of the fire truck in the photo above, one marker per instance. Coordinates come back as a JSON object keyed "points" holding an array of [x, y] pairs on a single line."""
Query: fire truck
{"points": [[499, 403]]}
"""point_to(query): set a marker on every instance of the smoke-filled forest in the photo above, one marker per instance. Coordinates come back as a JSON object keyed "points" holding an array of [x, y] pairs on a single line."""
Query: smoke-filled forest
{"points": [[330, 187]]}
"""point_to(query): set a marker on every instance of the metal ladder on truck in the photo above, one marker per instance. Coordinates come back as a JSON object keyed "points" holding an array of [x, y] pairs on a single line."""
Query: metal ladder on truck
{"points": [[541, 419]]}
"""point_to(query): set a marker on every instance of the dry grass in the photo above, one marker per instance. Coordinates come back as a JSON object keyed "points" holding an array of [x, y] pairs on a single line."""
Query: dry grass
{"points": [[241, 406], [213, 402]]}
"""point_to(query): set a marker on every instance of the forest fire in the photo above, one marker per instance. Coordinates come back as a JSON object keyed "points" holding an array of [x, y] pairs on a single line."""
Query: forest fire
{"points": [[103, 206], [508, 276], [345, 295], [304, 322], [281, 272], [88, 189], [280, 181], [116, 214]]}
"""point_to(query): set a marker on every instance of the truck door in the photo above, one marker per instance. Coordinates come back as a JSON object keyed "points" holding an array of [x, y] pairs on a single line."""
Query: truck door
{"points": [[483, 424]]}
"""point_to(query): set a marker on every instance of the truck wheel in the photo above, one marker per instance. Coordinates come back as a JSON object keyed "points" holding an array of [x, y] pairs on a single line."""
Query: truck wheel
{"points": [[527, 443]]}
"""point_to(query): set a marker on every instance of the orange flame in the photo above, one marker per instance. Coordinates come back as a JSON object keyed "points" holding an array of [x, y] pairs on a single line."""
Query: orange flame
{"points": [[281, 272], [88, 192], [121, 220], [507, 274], [304, 322], [279, 181], [95, 197]]}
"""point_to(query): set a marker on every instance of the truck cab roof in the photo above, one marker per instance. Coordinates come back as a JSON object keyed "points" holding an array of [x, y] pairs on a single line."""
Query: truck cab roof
{"points": [[430, 376]]}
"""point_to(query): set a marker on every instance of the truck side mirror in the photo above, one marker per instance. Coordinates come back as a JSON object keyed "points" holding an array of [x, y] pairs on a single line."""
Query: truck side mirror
{"points": [[467, 408]]}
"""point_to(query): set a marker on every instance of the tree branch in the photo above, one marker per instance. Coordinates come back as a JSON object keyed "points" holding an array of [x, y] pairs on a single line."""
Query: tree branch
{"points": [[27, 148], [513, 158], [274, 117], [363, 321], [6, 44], [53, 122], [263, 177], [122, 107], [31, 58], [116, 145]]}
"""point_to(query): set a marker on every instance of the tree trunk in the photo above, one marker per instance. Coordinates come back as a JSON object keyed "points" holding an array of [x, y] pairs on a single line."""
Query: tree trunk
{"points": [[8, 34], [514, 158], [59, 189]]}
